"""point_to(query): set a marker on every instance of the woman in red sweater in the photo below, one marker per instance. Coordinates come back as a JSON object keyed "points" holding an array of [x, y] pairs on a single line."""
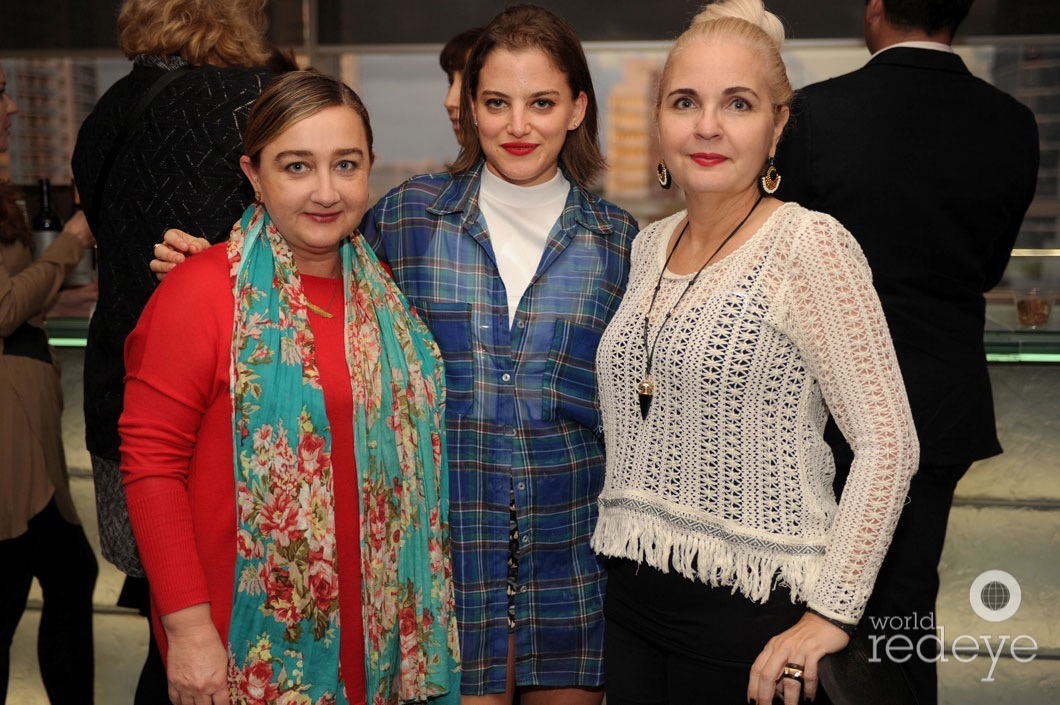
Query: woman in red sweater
{"points": [[282, 449]]}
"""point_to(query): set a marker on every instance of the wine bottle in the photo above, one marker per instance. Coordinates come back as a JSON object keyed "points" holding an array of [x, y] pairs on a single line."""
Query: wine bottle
{"points": [[84, 272], [46, 223]]}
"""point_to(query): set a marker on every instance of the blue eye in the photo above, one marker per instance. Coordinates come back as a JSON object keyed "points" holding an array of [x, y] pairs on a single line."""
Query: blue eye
{"points": [[684, 103], [297, 167], [346, 165]]}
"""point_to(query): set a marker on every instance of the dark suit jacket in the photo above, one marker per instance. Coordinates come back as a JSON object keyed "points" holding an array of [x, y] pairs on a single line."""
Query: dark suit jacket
{"points": [[932, 170]]}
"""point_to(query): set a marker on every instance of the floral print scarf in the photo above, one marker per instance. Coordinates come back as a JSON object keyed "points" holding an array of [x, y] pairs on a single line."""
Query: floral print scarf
{"points": [[284, 632]]}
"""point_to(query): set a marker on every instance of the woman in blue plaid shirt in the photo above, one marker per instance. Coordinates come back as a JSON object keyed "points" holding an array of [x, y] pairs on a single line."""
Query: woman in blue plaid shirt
{"points": [[517, 269]]}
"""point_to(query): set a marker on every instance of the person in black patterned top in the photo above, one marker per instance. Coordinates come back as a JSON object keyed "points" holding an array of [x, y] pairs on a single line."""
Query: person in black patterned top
{"points": [[179, 167]]}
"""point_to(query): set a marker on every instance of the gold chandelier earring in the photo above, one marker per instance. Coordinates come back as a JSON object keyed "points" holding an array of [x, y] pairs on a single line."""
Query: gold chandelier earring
{"points": [[770, 178], [665, 180]]}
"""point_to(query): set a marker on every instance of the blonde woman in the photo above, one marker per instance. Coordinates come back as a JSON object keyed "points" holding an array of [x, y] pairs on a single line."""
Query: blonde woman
{"points": [[732, 570]]}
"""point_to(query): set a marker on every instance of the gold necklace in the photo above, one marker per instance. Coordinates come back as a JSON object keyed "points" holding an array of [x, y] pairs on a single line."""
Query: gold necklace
{"points": [[324, 312], [646, 388]]}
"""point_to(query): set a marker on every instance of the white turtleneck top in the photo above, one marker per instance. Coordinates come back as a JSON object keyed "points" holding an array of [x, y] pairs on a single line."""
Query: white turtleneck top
{"points": [[519, 220]]}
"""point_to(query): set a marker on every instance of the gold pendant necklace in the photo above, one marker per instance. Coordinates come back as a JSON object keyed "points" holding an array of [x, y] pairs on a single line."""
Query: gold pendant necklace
{"points": [[322, 312], [646, 388]]}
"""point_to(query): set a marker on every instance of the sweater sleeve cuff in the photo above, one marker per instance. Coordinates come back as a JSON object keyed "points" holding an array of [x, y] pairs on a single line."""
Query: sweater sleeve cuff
{"points": [[161, 520]]}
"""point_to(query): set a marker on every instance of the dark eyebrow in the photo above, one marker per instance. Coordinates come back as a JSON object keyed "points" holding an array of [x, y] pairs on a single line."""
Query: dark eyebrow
{"points": [[500, 94], [682, 91], [734, 90], [303, 153], [739, 89]]}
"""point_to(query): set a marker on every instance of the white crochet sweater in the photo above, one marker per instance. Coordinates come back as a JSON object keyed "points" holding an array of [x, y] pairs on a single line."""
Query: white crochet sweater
{"points": [[729, 478]]}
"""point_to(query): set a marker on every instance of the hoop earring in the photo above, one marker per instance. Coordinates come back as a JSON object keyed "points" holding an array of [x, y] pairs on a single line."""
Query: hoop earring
{"points": [[664, 175], [770, 178]]}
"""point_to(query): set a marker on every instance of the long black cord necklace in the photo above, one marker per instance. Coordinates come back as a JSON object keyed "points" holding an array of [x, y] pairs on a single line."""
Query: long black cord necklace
{"points": [[646, 388]]}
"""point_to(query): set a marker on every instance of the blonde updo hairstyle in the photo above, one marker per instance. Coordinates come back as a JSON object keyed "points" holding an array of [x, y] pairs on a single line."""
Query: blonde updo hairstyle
{"points": [[746, 21], [202, 32]]}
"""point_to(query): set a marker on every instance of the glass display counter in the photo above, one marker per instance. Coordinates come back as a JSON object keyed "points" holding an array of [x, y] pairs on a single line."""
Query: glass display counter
{"points": [[1031, 335]]}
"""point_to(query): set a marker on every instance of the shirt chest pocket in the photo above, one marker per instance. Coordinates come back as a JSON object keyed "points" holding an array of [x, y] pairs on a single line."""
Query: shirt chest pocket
{"points": [[451, 325], [569, 386]]}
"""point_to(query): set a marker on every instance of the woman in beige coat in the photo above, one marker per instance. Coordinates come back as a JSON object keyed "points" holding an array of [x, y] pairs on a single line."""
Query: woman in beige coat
{"points": [[40, 534]]}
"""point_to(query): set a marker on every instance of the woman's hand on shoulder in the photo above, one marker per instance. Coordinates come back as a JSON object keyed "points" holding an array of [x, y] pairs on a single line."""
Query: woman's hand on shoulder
{"points": [[804, 644], [197, 662], [176, 245]]}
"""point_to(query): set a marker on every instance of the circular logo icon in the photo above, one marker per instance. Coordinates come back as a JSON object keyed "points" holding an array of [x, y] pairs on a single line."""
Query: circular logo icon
{"points": [[995, 595]]}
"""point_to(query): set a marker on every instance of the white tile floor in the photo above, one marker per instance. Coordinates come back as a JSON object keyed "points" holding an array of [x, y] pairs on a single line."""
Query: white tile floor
{"points": [[1007, 517]]}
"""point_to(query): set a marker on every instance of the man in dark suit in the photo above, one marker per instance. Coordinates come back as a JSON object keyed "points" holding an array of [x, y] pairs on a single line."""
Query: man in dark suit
{"points": [[932, 170]]}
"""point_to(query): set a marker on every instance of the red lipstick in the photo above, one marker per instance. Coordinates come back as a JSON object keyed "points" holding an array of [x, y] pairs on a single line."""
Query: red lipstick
{"points": [[708, 158], [519, 149]]}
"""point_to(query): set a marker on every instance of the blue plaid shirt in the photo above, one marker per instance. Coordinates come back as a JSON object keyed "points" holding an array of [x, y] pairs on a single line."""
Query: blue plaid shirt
{"points": [[522, 414]]}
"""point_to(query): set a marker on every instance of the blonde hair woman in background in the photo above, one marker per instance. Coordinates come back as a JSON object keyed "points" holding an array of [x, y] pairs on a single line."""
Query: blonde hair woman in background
{"points": [[175, 164]]}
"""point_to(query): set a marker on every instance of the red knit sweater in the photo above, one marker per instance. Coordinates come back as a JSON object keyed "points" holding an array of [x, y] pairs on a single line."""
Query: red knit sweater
{"points": [[177, 456]]}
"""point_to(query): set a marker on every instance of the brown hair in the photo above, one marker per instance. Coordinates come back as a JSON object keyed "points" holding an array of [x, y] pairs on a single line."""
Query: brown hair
{"points": [[293, 97], [530, 27], [455, 52], [13, 225], [745, 21], [281, 60], [202, 32]]}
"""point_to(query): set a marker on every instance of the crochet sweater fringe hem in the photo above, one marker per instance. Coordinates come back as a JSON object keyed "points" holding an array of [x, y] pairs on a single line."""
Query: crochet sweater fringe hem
{"points": [[710, 560]]}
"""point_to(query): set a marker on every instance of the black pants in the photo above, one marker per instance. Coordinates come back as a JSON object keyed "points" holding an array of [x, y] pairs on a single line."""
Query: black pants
{"points": [[58, 554], [903, 599], [673, 641], [153, 687]]}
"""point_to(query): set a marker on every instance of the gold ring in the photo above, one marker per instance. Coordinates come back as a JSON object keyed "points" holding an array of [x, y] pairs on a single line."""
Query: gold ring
{"points": [[792, 671]]}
